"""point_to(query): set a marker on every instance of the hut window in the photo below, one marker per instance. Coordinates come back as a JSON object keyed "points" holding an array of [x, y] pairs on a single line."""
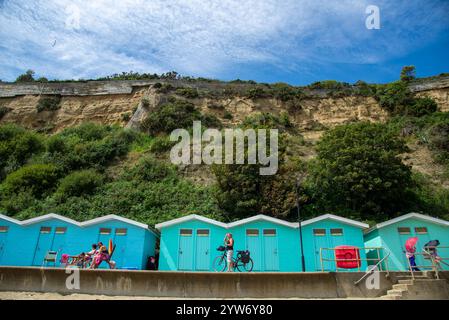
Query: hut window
{"points": [[121, 231], [45, 229], [337, 232], [3, 229], [202, 232], [269, 232], [252, 232], [421, 230], [404, 230], [319, 232], [105, 231], [185, 232], [61, 230]]}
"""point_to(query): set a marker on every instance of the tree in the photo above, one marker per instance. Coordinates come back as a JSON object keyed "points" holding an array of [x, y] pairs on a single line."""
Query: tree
{"points": [[28, 76], [243, 192], [358, 171], [408, 73]]}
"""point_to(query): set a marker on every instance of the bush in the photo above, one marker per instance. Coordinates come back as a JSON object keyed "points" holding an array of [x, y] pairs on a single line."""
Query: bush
{"points": [[227, 115], [161, 144], [78, 183], [190, 93], [422, 107], [126, 117], [17, 146], [176, 115], [26, 77], [256, 93], [150, 170], [38, 179], [285, 92], [48, 104], [3, 111]]}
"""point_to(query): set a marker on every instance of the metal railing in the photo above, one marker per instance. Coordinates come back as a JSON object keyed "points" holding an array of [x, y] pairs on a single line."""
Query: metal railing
{"points": [[377, 260], [375, 268], [428, 253]]}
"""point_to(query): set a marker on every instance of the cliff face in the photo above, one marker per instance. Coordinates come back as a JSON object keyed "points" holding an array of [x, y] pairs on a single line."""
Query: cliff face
{"points": [[108, 103]]}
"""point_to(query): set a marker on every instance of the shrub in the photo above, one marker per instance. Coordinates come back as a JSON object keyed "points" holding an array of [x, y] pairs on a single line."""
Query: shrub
{"points": [[48, 104], [38, 179], [161, 144], [126, 117], [408, 73], [285, 92], [227, 115], [422, 107], [190, 93], [255, 93], [17, 146], [28, 76], [150, 169], [3, 111], [78, 183], [178, 114]]}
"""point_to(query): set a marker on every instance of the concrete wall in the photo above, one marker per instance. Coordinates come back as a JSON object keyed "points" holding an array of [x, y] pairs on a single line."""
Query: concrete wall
{"points": [[195, 284]]}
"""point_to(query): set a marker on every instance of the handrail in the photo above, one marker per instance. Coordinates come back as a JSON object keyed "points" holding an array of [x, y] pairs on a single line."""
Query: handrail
{"points": [[374, 269], [427, 255], [357, 258]]}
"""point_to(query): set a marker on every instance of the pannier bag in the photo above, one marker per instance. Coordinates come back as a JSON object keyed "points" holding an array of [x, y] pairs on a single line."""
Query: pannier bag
{"points": [[245, 256], [221, 248]]}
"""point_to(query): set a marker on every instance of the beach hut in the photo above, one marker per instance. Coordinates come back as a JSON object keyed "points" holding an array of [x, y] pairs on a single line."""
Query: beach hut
{"points": [[322, 234], [393, 234], [189, 243], [273, 243], [26, 243]]}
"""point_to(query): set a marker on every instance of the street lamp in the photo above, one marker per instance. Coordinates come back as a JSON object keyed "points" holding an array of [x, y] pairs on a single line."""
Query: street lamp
{"points": [[303, 261]]}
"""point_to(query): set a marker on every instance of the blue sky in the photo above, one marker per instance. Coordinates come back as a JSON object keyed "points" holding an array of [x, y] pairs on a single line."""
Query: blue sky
{"points": [[294, 41]]}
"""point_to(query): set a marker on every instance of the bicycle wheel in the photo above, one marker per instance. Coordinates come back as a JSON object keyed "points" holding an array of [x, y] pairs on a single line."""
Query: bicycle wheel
{"points": [[219, 264], [245, 267]]}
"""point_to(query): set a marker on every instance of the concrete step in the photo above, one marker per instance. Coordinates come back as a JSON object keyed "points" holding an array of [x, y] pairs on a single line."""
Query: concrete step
{"points": [[395, 292], [401, 286], [391, 297], [406, 281]]}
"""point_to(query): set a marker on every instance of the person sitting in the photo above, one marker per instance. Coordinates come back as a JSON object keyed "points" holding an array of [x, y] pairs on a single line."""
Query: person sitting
{"points": [[102, 255]]}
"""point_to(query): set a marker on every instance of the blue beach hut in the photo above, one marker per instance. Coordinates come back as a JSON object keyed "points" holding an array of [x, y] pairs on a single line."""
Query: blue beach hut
{"points": [[189, 243], [393, 234], [25, 243]]}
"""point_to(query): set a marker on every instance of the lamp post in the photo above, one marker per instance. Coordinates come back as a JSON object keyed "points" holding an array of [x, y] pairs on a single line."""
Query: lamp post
{"points": [[303, 261]]}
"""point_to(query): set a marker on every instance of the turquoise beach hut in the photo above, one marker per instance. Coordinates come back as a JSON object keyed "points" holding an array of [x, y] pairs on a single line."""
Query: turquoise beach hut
{"points": [[393, 234], [189, 243], [25, 243]]}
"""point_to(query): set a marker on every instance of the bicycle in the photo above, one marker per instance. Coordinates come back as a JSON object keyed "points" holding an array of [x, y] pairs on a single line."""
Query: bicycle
{"points": [[240, 263]]}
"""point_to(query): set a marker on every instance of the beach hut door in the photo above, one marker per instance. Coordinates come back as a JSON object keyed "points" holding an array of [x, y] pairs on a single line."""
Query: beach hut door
{"points": [[321, 240], [185, 251], [253, 245], [44, 244], [202, 249], [3, 235], [271, 250]]}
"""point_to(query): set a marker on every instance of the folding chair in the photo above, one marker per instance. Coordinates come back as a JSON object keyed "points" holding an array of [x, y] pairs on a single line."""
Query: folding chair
{"points": [[51, 256]]}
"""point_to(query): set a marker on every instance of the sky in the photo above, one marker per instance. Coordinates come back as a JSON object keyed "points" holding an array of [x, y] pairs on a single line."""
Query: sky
{"points": [[293, 41]]}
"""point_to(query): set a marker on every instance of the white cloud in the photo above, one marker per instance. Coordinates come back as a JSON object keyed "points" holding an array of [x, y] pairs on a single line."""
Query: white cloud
{"points": [[202, 37]]}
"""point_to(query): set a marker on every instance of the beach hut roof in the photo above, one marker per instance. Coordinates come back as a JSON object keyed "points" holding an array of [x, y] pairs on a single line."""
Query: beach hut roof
{"points": [[189, 218], [87, 223], [335, 218], [411, 215]]}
